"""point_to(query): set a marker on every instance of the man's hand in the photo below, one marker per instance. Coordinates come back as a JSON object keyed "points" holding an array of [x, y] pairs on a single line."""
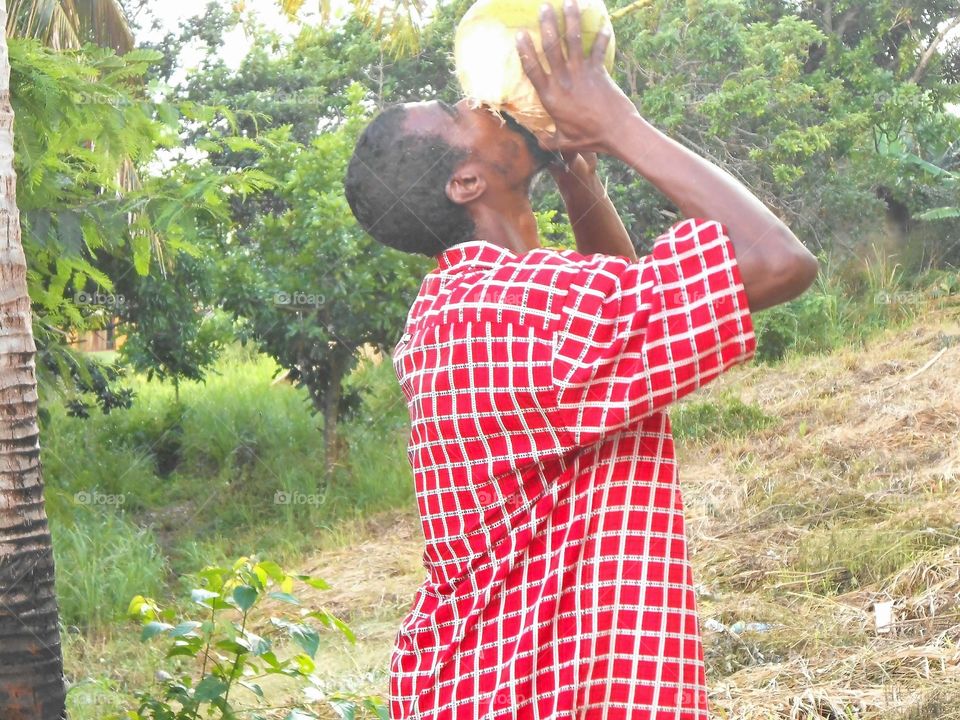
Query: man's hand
{"points": [[578, 93], [597, 226], [577, 171]]}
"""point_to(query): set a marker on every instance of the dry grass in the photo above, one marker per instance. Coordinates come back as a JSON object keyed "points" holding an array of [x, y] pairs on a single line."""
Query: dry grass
{"points": [[851, 497]]}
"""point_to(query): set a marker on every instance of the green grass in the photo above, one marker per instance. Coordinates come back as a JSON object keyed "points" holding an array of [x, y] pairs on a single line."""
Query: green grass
{"points": [[102, 561], [160, 489], [853, 555], [847, 307], [728, 416]]}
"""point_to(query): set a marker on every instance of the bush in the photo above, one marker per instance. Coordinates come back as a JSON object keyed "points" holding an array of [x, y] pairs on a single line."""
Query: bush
{"points": [[235, 642], [237, 461], [848, 308], [809, 324]]}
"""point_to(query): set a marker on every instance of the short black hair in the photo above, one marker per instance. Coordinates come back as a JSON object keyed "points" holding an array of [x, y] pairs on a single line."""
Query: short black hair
{"points": [[396, 187]]}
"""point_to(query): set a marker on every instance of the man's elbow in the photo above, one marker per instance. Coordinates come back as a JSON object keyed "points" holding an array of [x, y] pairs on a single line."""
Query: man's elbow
{"points": [[797, 269], [784, 273]]}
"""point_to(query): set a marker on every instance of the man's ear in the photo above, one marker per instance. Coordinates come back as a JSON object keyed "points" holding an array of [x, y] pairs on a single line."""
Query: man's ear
{"points": [[466, 184]]}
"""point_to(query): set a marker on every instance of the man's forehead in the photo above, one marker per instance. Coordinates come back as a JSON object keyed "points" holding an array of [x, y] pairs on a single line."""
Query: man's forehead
{"points": [[429, 116]]}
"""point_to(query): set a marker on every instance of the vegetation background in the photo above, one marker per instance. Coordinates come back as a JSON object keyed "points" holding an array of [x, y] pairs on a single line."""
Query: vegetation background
{"points": [[252, 412]]}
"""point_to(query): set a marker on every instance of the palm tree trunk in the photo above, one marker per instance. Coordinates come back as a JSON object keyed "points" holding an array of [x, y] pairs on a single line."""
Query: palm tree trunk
{"points": [[31, 663]]}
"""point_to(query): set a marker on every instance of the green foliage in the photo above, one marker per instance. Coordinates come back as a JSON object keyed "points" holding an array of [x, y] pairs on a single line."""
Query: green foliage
{"points": [[311, 286], [248, 443], [727, 416], [809, 324], [553, 232], [848, 308], [98, 215], [171, 332], [79, 128], [793, 100], [230, 639]]}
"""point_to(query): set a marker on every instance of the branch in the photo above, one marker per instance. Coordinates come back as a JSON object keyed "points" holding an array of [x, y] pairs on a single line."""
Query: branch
{"points": [[624, 11], [932, 48], [845, 20]]}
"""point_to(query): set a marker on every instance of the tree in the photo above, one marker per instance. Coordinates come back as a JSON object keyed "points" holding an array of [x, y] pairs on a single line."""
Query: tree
{"points": [[796, 100], [31, 661], [313, 287], [63, 24]]}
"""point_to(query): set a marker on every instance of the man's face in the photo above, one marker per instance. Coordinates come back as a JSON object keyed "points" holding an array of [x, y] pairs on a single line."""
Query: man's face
{"points": [[507, 149]]}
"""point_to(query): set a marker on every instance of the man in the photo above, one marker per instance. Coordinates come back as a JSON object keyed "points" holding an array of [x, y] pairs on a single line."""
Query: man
{"points": [[537, 381]]}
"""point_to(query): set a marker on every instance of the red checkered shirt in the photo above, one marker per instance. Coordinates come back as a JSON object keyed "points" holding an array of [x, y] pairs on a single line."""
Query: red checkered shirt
{"points": [[558, 583]]}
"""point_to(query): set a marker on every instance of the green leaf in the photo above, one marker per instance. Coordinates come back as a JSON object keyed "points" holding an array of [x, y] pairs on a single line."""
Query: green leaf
{"points": [[185, 628], [305, 664], [203, 597], [375, 705], [238, 143], [255, 644], [345, 709], [332, 621], [270, 658], [141, 252], [285, 597], [305, 636], [187, 646], [244, 596], [154, 628], [939, 214], [210, 688], [233, 647], [314, 582], [275, 572]]}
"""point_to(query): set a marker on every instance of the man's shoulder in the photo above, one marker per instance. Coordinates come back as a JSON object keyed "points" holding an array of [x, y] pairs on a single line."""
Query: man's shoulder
{"points": [[561, 262]]}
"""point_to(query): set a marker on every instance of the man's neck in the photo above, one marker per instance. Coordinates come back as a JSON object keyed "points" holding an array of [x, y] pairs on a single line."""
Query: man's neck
{"points": [[513, 228]]}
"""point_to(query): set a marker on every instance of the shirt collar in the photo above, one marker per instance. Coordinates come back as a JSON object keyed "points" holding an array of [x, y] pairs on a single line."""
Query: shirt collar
{"points": [[473, 252]]}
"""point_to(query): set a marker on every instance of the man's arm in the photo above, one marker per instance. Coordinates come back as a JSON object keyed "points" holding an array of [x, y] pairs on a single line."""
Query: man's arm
{"points": [[593, 114], [597, 226]]}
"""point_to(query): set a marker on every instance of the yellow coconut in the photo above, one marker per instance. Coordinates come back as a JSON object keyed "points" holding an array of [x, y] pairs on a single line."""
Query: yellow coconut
{"points": [[488, 65]]}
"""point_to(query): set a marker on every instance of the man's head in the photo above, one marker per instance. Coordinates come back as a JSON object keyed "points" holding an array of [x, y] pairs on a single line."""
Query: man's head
{"points": [[421, 172]]}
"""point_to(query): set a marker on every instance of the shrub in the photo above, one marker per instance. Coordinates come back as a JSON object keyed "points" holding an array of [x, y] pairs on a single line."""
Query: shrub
{"points": [[233, 642]]}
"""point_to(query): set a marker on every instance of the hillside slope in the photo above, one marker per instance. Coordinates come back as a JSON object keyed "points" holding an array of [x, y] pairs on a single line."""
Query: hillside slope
{"points": [[848, 498]]}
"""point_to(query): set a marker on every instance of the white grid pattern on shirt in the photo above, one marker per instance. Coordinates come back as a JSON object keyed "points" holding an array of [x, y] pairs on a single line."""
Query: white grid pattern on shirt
{"points": [[558, 583]]}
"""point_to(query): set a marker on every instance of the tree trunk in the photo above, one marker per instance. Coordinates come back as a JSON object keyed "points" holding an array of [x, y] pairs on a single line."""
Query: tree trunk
{"points": [[331, 413], [31, 663]]}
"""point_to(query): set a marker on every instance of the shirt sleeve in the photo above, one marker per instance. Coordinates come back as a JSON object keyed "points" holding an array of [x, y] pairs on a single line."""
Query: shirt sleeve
{"points": [[632, 337]]}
